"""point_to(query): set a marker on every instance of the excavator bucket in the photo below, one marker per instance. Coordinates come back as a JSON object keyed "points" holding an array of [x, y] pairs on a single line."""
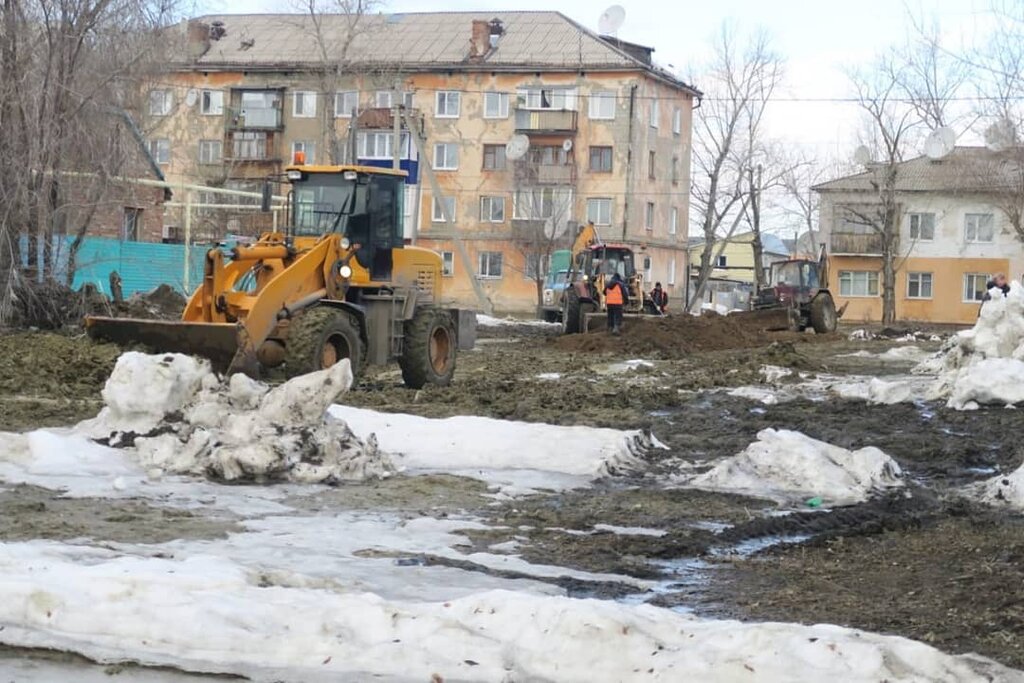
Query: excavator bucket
{"points": [[768, 319], [219, 342]]}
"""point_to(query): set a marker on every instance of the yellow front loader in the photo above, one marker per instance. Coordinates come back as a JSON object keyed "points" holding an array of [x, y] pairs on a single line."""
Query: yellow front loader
{"points": [[339, 282]]}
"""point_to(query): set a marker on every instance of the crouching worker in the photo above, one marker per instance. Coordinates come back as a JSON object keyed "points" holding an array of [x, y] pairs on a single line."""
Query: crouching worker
{"points": [[615, 297]]}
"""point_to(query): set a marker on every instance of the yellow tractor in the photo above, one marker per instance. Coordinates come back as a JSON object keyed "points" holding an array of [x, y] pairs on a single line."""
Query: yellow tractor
{"points": [[339, 282]]}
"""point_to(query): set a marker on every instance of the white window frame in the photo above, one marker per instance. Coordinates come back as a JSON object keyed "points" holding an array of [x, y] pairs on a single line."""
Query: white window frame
{"points": [[408, 99], [341, 96], [672, 270], [602, 148], [499, 98], [383, 99], [166, 102], [447, 96], [655, 113], [436, 215], [850, 277], [206, 158], [446, 162], [131, 223], [977, 227], [649, 216], [648, 264], [308, 147], [536, 203], [160, 150], [919, 277], [211, 102], [304, 96], [673, 223], [918, 217], [447, 263], [485, 257], [722, 261], [677, 121], [492, 202], [598, 203], [533, 98], [599, 102], [981, 292], [499, 150]]}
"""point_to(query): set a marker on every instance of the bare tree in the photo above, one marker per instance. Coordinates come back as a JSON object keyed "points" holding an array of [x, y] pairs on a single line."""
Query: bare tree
{"points": [[541, 227], [738, 84]]}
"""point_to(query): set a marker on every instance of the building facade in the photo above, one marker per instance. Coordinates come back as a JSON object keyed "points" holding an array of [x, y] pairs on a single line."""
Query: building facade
{"points": [[608, 131], [953, 237]]}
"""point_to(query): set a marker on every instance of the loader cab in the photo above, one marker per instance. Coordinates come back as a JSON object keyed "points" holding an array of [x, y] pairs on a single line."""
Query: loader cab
{"points": [[363, 204]]}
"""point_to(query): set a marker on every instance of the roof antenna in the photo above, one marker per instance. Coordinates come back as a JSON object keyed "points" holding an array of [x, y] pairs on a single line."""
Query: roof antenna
{"points": [[611, 20]]}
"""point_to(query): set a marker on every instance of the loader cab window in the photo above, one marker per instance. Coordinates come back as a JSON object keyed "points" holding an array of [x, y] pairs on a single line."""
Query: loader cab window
{"points": [[325, 203], [616, 262], [786, 274]]}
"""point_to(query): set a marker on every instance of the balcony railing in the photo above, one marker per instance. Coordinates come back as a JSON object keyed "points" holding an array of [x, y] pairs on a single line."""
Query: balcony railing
{"points": [[530, 173], [545, 121], [864, 244], [254, 118], [249, 146]]}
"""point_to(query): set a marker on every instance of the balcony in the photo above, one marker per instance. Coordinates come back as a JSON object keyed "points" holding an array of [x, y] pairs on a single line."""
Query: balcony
{"points": [[546, 121], [252, 146], [382, 118], [858, 244], [527, 173], [254, 118]]}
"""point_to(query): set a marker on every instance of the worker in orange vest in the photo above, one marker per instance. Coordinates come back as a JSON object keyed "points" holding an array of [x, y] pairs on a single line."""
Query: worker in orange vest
{"points": [[615, 297]]}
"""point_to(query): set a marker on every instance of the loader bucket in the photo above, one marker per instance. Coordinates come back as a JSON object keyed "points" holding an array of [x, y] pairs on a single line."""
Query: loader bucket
{"points": [[219, 342], [768, 319]]}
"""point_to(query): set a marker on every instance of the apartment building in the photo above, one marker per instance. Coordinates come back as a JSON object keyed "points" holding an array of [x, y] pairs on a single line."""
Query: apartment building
{"points": [[609, 131], [953, 237]]}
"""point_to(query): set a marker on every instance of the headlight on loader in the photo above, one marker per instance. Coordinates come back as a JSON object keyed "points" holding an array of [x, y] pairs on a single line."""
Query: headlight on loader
{"points": [[345, 271]]}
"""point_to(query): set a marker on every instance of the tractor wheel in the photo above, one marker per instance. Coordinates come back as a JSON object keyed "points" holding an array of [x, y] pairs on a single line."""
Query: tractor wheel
{"points": [[571, 313], [428, 355], [823, 314], [320, 337]]}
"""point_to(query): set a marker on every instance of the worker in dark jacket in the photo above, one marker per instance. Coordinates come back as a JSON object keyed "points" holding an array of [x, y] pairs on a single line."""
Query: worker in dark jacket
{"points": [[659, 297], [998, 281], [615, 297]]}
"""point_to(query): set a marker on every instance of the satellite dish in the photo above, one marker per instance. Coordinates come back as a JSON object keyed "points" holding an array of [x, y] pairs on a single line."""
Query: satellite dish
{"points": [[611, 20], [517, 147], [191, 97], [567, 145], [1000, 136], [939, 143], [862, 155]]}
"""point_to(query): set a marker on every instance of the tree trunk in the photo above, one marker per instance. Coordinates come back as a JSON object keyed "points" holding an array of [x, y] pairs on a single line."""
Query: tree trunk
{"points": [[755, 229]]}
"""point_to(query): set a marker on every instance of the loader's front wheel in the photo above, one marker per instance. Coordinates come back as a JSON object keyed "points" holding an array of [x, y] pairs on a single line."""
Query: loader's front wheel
{"points": [[571, 312], [823, 314], [428, 354], [320, 337]]}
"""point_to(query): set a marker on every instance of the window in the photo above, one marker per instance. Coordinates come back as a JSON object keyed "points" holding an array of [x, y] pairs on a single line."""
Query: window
{"points": [[649, 216], [546, 98], [536, 266], [449, 205], [249, 145], [651, 163], [922, 226], [304, 104], [408, 99], [492, 209], [446, 156], [306, 147], [979, 227], [379, 145], [672, 271], [495, 105], [489, 264], [919, 285], [494, 157], [447, 263], [210, 151], [675, 170], [447, 106], [677, 121], [548, 155], [160, 150], [602, 105], [599, 211], [974, 287], [346, 103], [535, 204], [673, 222], [722, 261], [383, 99], [601, 159], [654, 113], [858, 283], [130, 223], [648, 269], [212, 102], [160, 102]]}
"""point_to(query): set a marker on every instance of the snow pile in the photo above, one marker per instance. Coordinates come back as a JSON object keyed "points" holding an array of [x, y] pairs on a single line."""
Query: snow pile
{"points": [[208, 614], [1006, 489], [178, 417], [490, 321], [790, 467]]}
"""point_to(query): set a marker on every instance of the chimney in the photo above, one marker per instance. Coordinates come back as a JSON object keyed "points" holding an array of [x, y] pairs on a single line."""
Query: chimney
{"points": [[480, 40], [198, 39]]}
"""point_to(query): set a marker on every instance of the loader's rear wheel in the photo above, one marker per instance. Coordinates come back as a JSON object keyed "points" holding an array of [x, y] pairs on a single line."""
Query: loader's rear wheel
{"points": [[571, 313], [823, 314], [320, 337], [428, 356]]}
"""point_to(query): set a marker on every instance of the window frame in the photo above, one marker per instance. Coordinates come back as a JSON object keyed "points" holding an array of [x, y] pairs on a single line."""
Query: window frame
{"points": [[655, 116], [503, 107], [673, 223], [446, 146], [377, 98], [301, 96], [481, 256], [920, 285], [919, 215], [166, 102], [216, 159], [447, 263], [677, 121], [438, 216], [135, 213], [981, 293], [649, 210], [601, 201], [446, 95], [652, 164], [977, 226], [206, 96], [154, 150], [601, 149], [343, 94], [492, 201], [308, 148], [671, 271], [498, 151], [871, 276], [597, 98]]}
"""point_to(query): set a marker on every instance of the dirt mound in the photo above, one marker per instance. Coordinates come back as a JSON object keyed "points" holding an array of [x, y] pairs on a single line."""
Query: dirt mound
{"points": [[162, 303], [54, 365], [50, 305], [676, 337]]}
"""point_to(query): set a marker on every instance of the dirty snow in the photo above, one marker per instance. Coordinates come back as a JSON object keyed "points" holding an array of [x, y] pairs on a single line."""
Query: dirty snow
{"points": [[791, 467], [208, 614], [509, 321]]}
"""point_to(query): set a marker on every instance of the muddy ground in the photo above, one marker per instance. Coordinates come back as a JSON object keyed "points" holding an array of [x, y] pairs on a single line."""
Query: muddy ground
{"points": [[931, 566]]}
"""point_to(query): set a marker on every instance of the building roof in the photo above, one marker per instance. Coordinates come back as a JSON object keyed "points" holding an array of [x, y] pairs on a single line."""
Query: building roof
{"points": [[417, 41], [965, 169], [773, 244]]}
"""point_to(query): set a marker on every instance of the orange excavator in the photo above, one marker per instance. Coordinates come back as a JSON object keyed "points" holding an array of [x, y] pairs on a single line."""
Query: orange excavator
{"points": [[339, 282]]}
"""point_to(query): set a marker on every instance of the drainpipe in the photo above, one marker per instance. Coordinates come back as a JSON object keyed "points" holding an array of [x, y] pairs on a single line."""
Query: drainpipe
{"points": [[629, 162]]}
